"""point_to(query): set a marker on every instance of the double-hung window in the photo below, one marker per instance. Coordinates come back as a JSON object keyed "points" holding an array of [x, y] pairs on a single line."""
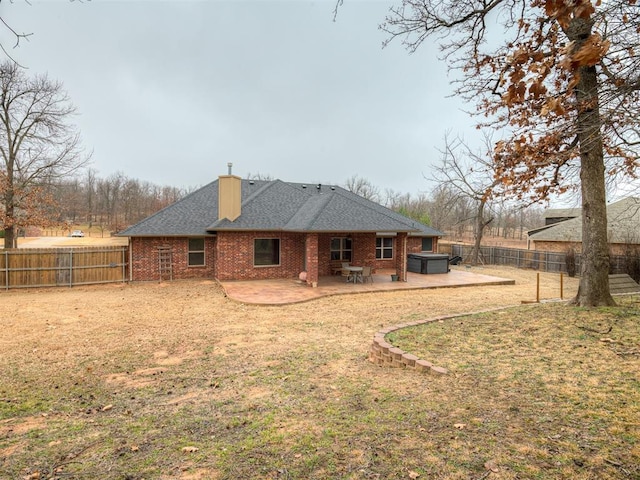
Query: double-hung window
{"points": [[384, 248], [341, 248], [196, 252]]}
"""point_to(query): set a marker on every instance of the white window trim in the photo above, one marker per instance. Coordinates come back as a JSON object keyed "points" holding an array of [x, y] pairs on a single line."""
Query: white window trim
{"points": [[382, 248], [342, 242]]}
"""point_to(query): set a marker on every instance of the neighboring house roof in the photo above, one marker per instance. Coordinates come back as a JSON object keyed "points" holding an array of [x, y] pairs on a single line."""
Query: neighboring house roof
{"points": [[277, 206], [556, 215], [623, 225], [562, 213]]}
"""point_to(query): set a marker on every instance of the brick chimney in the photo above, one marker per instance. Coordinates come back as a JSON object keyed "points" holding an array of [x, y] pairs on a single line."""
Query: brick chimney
{"points": [[229, 195]]}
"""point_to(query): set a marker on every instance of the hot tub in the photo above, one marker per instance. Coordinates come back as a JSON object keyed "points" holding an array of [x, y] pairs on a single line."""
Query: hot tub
{"points": [[428, 262]]}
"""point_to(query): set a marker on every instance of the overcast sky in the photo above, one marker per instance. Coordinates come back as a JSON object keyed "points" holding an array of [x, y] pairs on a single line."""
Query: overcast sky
{"points": [[170, 91]]}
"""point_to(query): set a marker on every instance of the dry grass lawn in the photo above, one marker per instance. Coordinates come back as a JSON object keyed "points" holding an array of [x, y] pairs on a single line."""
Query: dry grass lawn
{"points": [[176, 381]]}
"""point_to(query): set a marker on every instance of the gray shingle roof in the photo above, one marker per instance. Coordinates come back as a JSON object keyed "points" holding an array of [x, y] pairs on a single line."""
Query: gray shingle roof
{"points": [[562, 213], [277, 206], [623, 225]]}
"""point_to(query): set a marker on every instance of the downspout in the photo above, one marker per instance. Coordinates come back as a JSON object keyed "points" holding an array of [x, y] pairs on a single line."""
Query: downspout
{"points": [[404, 263], [130, 261]]}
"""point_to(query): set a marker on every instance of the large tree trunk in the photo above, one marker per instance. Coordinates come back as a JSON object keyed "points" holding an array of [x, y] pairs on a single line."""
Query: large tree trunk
{"points": [[594, 280], [9, 237], [9, 228]]}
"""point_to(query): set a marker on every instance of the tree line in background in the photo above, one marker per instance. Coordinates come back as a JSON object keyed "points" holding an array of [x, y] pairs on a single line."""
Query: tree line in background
{"points": [[117, 201], [110, 203], [454, 210]]}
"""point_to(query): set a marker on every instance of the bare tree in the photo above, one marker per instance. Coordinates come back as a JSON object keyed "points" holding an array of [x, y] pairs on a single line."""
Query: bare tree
{"points": [[259, 176], [16, 37], [37, 144], [416, 207], [447, 210], [469, 175], [89, 185], [391, 197], [364, 188], [109, 197]]}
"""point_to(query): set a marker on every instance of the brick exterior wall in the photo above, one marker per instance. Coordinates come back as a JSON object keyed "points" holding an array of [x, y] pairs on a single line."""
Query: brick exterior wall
{"points": [[145, 266], [229, 255], [401, 263], [414, 245], [364, 251], [324, 252], [234, 258], [311, 258]]}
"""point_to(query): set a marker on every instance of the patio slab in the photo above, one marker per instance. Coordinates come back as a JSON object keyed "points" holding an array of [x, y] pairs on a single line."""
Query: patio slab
{"points": [[285, 291]]}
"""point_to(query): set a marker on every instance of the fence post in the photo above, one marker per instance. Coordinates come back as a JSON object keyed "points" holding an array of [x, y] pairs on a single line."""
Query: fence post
{"points": [[546, 261], [71, 268], [6, 268]]}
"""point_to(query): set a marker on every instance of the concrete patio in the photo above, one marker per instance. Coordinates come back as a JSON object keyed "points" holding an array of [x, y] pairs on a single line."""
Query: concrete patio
{"points": [[281, 292]]}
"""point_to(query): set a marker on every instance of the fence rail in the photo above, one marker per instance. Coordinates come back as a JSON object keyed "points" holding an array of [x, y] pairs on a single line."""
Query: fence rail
{"points": [[51, 267], [554, 262]]}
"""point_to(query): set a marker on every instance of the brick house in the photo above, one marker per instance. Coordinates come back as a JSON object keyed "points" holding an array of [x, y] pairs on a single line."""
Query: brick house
{"points": [[235, 229]]}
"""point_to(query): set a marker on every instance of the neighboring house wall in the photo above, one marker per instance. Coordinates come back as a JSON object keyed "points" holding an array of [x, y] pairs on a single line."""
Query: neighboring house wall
{"points": [[145, 266], [234, 260], [614, 248], [561, 247]]}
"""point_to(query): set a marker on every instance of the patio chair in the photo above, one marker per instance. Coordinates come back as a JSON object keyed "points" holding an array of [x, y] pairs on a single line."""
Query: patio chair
{"points": [[344, 271], [366, 274], [336, 267]]}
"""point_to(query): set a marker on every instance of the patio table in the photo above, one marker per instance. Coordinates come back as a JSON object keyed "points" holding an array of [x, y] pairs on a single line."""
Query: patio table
{"points": [[355, 273]]}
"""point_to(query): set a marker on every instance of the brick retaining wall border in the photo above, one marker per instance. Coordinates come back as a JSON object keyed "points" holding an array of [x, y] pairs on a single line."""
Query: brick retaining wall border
{"points": [[384, 354]]}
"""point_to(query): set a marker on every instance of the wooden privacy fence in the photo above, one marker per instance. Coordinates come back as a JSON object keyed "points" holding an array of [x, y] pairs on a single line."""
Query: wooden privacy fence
{"points": [[516, 257], [554, 262], [50, 267]]}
